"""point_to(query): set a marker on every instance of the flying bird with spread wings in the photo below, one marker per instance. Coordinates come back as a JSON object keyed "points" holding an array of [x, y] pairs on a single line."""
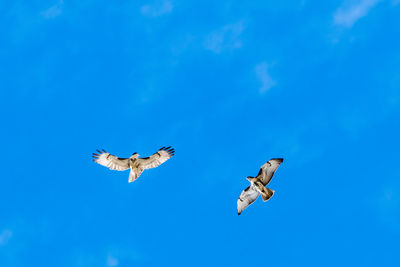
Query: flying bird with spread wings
{"points": [[136, 164], [257, 185]]}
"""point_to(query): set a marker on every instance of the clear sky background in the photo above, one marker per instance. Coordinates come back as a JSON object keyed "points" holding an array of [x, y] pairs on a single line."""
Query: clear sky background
{"points": [[228, 84]]}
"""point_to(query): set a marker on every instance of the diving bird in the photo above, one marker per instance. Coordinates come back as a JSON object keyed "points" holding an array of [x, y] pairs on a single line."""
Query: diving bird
{"points": [[136, 164], [257, 185]]}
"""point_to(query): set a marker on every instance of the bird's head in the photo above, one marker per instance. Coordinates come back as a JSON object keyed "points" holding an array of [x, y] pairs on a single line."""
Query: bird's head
{"points": [[251, 179], [135, 155]]}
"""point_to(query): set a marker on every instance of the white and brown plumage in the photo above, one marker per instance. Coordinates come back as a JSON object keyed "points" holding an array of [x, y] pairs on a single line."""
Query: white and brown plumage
{"points": [[257, 185], [134, 163]]}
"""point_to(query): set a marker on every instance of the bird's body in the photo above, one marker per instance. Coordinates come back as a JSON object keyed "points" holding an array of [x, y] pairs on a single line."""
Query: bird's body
{"points": [[134, 163], [258, 185]]}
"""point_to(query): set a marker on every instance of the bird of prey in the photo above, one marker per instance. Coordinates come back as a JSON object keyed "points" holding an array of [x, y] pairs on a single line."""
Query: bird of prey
{"points": [[136, 164], [257, 185]]}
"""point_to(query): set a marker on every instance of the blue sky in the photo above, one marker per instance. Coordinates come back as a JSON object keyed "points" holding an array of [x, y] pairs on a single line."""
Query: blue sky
{"points": [[228, 84]]}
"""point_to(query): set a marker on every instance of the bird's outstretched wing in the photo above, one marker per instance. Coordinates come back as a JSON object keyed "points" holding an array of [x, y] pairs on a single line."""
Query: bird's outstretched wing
{"points": [[248, 196], [268, 169], [112, 162], [158, 158]]}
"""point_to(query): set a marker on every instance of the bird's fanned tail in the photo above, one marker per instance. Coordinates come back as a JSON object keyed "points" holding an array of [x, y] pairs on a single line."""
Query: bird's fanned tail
{"points": [[267, 194], [134, 174]]}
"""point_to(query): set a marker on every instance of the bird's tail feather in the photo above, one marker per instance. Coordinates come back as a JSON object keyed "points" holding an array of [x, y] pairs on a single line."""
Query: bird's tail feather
{"points": [[134, 174], [267, 194]]}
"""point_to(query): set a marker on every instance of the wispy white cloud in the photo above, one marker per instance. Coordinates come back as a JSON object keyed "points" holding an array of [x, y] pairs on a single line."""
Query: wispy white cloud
{"points": [[157, 9], [388, 205], [112, 261], [53, 11], [226, 38], [5, 236], [265, 78], [350, 13]]}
